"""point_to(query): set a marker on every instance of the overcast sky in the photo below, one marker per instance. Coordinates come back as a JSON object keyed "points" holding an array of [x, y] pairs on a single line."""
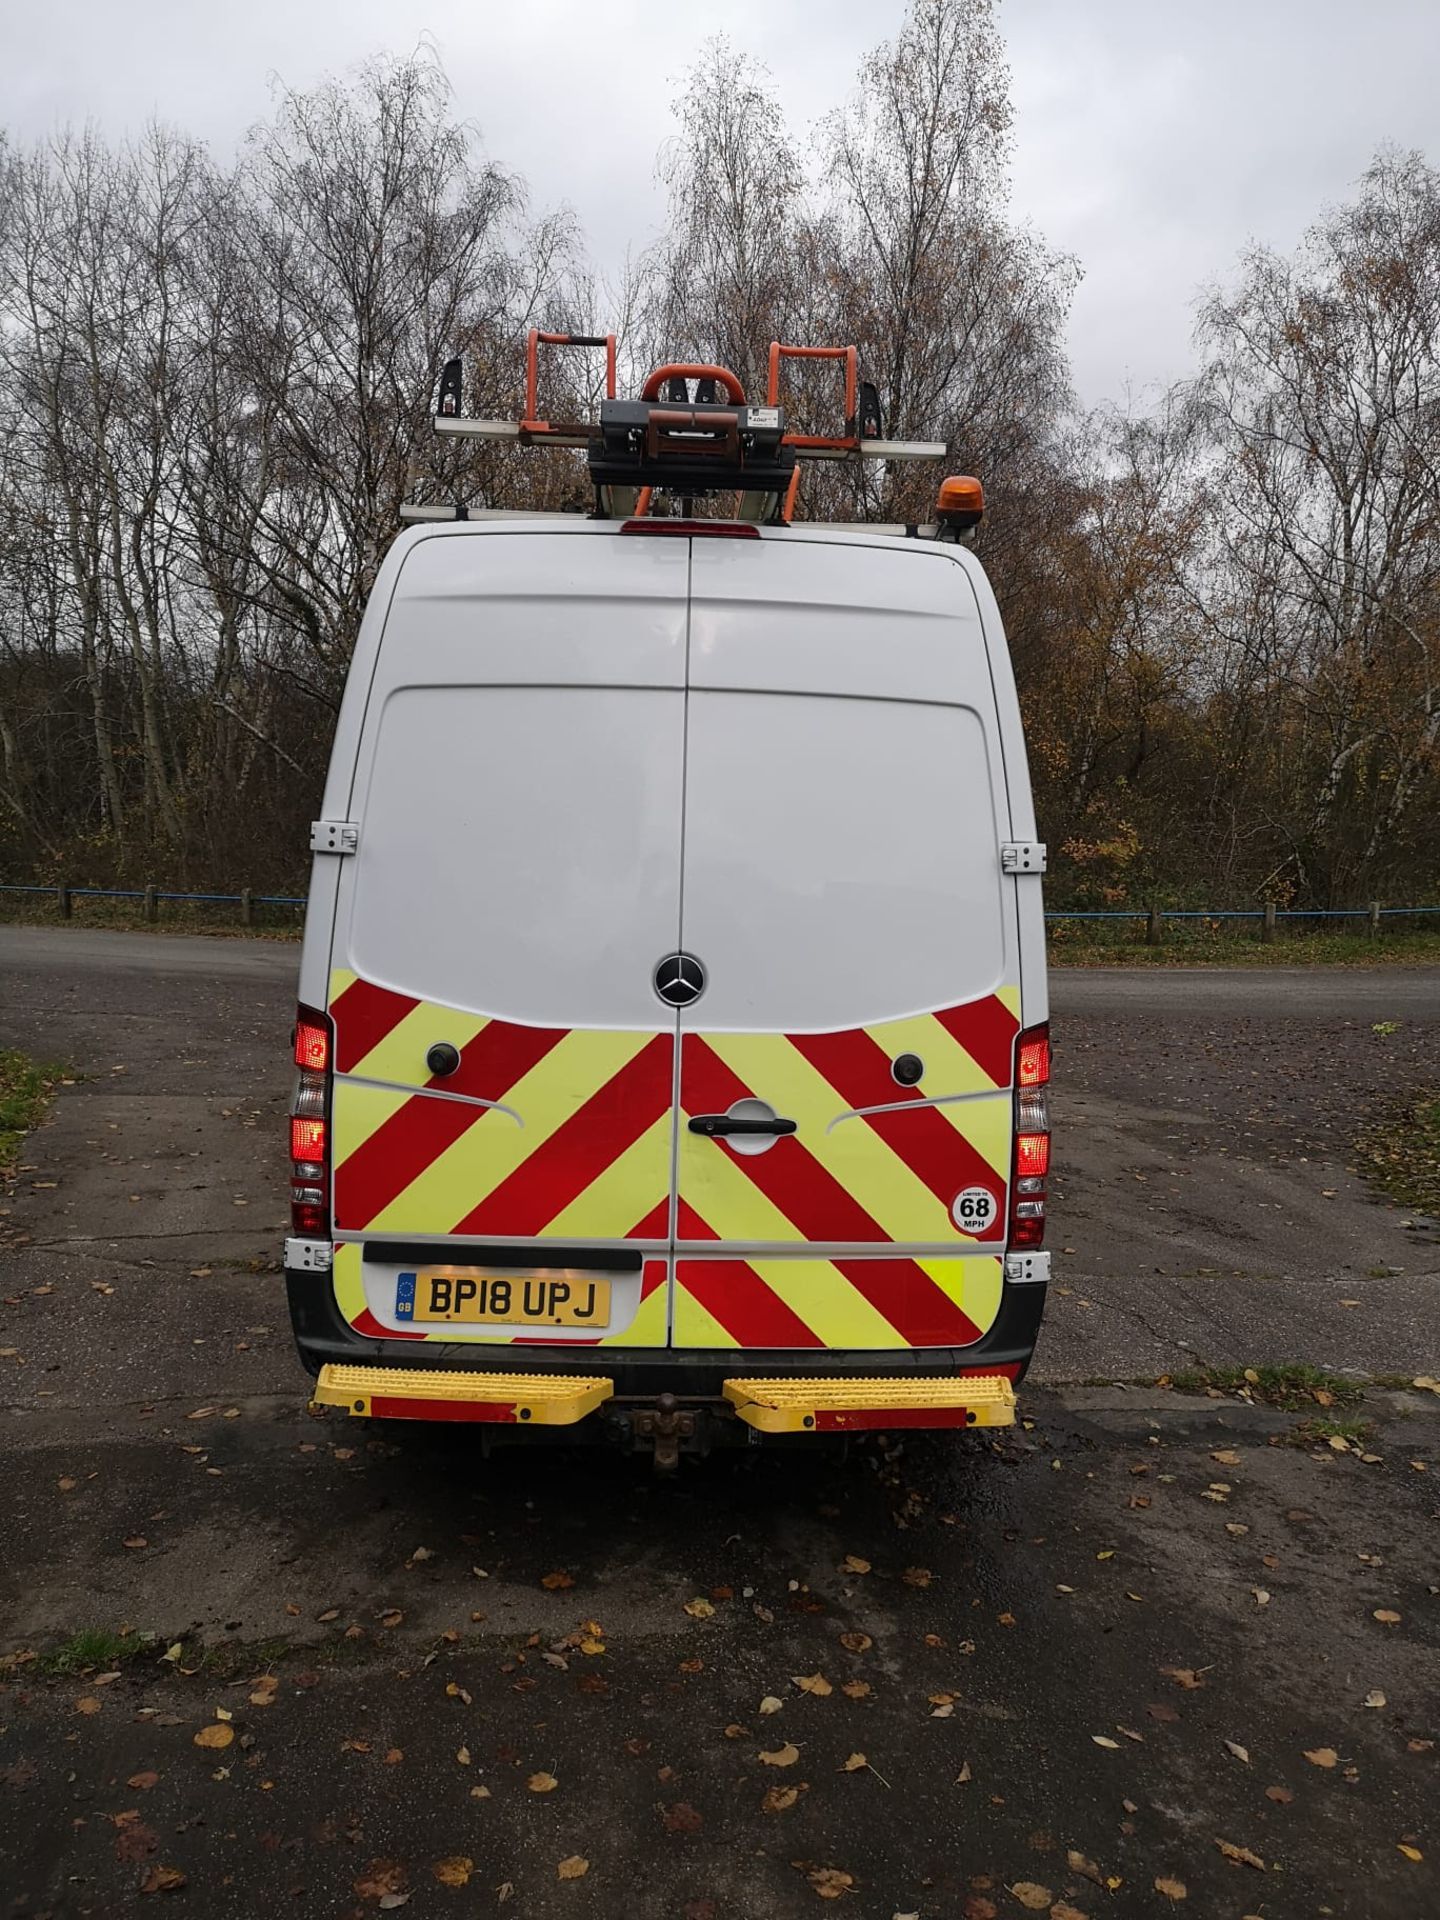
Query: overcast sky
{"points": [[1153, 137]]}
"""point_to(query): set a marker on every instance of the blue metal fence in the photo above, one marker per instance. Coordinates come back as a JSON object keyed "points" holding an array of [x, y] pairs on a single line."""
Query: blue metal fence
{"points": [[155, 894]]}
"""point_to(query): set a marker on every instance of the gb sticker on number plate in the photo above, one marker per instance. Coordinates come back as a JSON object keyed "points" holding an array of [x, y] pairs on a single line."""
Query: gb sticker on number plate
{"points": [[975, 1210]]}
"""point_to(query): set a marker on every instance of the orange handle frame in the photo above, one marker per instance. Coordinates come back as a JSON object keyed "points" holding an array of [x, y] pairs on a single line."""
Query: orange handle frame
{"points": [[851, 358], [532, 423], [686, 370]]}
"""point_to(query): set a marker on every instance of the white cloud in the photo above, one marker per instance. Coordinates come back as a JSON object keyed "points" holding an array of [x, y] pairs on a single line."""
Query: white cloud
{"points": [[1153, 139]]}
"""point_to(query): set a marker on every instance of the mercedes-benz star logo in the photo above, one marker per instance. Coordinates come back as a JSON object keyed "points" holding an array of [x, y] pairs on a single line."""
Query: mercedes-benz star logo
{"points": [[679, 979]]}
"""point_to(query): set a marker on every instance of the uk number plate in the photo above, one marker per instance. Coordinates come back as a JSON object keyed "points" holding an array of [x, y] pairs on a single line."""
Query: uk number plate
{"points": [[462, 1296]]}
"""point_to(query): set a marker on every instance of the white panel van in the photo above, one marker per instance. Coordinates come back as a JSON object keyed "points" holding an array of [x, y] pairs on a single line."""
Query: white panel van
{"points": [[673, 1041]]}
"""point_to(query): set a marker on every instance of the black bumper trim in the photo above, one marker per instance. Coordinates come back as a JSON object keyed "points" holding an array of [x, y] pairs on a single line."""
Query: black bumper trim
{"points": [[322, 1335]]}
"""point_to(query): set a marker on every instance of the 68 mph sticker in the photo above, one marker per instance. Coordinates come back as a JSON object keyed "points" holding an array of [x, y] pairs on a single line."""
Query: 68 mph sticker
{"points": [[974, 1210]]}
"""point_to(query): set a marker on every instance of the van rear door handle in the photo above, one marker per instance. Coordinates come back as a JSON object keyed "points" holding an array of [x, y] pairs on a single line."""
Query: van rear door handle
{"points": [[717, 1125]]}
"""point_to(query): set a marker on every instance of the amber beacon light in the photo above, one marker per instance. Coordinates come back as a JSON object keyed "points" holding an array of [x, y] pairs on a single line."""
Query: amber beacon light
{"points": [[961, 502]]}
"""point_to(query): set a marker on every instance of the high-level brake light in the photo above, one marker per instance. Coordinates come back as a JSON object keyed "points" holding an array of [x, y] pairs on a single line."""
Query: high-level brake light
{"points": [[310, 1127], [1032, 1139], [698, 529]]}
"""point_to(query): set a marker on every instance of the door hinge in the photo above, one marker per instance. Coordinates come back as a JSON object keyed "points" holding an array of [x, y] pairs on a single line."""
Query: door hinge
{"points": [[1022, 856], [1027, 1269], [334, 836], [309, 1256]]}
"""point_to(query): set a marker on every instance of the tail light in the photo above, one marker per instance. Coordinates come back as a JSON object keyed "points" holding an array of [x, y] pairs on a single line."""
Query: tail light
{"points": [[310, 1127], [1032, 1138]]}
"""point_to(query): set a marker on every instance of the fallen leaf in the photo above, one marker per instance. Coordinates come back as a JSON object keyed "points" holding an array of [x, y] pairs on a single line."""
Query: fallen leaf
{"points": [[1239, 1752], [779, 1799], [1374, 1698], [390, 1901], [1078, 1863], [815, 1683], [771, 1704], [462, 1754], [135, 1841], [1225, 1457], [785, 1756], [856, 1642], [1321, 1756], [391, 1617], [215, 1737], [542, 1783], [1103, 1740], [1262, 1598], [964, 1774], [1241, 1856], [852, 1563], [87, 1704], [479, 1793], [854, 1763], [1185, 1677], [830, 1882], [454, 1871], [1386, 1617], [1410, 1853], [946, 1709], [699, 1608], [1282, 1796], [1167, 1715], [394, 1756], [917, 1576], [681, 1818], [421, 1554], [381, 1877], [1172, 1889], [135, 1542], [162, 1880], [1030, 1894], [856, 1689], [575, 1868], [553, 1582], [142, 1782], [1062, 1910]]}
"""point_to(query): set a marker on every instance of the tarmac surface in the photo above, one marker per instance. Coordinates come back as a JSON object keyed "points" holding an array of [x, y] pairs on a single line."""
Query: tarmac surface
{"points": [[1145, 1649]]}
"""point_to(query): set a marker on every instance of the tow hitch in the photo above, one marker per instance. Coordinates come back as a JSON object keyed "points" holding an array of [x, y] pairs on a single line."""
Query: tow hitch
{"points": [[664, 1426]]}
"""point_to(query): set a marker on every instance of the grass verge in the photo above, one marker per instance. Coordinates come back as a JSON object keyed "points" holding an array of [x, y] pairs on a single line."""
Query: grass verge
{"points": [[1218, 943], [25, 1090], [91, 1650], [1341, 1434], [1401, 1154], [1289, 1387]]}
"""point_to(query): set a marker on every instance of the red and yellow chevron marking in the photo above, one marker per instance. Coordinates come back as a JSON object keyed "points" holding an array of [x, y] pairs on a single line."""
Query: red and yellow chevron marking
{"points": [[648, 1328], [860, 1305], [577, 1144], [852, 1177]]}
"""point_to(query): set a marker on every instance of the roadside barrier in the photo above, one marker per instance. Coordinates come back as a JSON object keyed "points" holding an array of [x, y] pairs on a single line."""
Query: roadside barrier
{"points": [[1153, 917]]}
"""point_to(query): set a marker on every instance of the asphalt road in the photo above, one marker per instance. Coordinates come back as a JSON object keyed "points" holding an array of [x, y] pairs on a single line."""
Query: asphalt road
{"points": [[1203, 1204], [1080, 1661]]}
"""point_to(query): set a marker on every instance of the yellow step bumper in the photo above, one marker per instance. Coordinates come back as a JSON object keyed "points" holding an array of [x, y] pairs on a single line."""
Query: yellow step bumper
{"points": [[414, 1393], [851, 1406]]}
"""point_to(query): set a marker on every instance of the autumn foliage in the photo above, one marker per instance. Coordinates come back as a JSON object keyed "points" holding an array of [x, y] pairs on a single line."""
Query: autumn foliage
{"points": [[216, 382]]}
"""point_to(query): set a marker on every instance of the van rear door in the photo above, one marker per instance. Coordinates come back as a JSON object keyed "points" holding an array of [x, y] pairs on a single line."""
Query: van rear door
{"points": [[844, 809], [518, 793]]}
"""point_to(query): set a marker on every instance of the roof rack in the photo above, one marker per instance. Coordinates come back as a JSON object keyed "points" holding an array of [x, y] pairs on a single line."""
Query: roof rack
{"points": [[690, 434]]}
